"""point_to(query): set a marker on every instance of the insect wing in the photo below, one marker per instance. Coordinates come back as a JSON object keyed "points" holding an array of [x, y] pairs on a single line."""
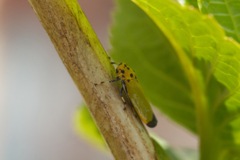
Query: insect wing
{"points": [[140, 103]]}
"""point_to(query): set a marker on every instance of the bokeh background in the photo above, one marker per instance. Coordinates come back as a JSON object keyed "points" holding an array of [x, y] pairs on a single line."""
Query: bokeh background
{"points": [[38, 97]]}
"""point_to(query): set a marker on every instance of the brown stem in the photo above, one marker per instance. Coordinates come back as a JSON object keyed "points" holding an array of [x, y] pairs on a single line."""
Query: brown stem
{"points": [[87, 63]]}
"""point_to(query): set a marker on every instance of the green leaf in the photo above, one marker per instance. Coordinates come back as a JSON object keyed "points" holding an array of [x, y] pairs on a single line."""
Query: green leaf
{"points": [[194, 3], [86, 128], [183, 153], [161, 154], [207, 63], [174, 153], [226, 12], [137, 41]]}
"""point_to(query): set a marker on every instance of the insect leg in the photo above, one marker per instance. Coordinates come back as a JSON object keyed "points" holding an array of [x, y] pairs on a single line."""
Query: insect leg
{"points": [[122, 95], [114, 80], [124, 88], [114, 63]]}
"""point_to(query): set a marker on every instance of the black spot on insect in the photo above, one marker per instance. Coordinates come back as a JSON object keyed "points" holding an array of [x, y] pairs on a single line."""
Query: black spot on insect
{"points": [[102, 82], [122, 71], [128, 80], [123, 76], [120, 63], [128, 68], [116, 71], [131, 75], [125, 65]]}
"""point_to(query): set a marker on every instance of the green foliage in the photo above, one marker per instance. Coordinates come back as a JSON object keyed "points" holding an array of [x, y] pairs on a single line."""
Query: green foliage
{"points": [[151, 55], [173, 153], [192, 2], [226, 12], [187, 68], [161, 154]]}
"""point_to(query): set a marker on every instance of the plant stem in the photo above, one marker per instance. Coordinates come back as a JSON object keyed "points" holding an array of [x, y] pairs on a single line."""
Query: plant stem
{"points": [[87, 63]]}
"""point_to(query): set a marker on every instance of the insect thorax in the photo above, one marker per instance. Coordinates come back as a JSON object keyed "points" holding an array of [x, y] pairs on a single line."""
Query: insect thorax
{"points": [[124, 72]]}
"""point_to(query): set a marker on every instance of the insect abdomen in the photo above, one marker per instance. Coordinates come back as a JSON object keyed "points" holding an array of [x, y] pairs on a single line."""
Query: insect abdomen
{"points": [[153, 122]]}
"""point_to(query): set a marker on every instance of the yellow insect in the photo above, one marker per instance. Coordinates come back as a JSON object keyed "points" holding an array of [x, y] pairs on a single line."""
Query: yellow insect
{"points": [[133, 90]]}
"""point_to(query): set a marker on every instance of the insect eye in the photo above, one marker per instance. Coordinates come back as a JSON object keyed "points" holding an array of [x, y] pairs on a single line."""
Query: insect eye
{"points": [[131, 75], [122, 71]]}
